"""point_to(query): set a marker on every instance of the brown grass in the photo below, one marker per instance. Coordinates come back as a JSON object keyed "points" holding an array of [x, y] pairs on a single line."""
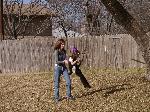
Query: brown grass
{"points": [[122, 91]]}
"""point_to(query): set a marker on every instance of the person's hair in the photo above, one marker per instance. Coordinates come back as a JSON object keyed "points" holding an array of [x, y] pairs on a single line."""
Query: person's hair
{"points": [[75, 54], [58, 44]]}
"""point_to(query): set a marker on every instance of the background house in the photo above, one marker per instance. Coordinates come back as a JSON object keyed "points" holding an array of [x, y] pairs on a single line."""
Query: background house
{"points": [[27, 20]]}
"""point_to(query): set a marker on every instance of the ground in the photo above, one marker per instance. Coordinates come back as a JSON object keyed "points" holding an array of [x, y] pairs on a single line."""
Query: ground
{"points": [[112, 91]]}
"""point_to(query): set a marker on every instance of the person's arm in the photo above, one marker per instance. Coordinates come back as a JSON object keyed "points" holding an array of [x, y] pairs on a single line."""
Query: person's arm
{"points": [[72, 62], [56, 58], [79, 61]]}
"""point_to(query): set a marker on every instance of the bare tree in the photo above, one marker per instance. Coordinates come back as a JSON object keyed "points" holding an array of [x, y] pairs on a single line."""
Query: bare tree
{"points": [[68, 15], [100, 21], [123, 18]]}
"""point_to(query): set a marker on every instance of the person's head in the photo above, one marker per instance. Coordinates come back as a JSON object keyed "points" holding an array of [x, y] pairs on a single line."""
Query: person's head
{"points": [[60, 44], [74, 51]]}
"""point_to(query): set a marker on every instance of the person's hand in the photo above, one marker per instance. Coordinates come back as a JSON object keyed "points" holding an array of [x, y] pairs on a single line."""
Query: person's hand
{"points": [[66, 61], [75, 61]]}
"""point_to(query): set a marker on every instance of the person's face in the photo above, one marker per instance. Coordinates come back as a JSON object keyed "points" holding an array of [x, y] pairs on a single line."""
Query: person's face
{"points": [[62, 46], [78, 53]]}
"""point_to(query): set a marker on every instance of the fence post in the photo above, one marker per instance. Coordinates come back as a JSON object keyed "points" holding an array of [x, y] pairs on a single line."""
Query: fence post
{"points": [[1, 21]]}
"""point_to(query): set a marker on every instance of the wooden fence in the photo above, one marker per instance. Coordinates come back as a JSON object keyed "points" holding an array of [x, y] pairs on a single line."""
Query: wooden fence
{"points": [[35, 54], [116, 51]]}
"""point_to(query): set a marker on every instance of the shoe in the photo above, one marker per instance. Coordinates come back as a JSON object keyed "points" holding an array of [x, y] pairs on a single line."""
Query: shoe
{"points": [[70, 98], [57, 100]]}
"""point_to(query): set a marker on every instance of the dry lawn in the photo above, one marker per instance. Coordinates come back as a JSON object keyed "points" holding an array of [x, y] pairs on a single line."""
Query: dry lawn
{"points": [[112, 91]]}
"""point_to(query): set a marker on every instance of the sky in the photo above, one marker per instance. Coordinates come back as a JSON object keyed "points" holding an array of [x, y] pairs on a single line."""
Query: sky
{"points": [[28, 1]]}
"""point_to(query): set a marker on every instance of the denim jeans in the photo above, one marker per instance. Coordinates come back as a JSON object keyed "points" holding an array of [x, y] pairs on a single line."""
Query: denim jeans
{"points": [[58, 70]]}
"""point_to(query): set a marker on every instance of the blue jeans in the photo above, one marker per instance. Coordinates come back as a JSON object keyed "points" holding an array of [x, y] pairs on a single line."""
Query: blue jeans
{"points": [[58, 70]]}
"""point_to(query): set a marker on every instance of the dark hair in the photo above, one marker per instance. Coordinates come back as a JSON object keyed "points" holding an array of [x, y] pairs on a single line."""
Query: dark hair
{"points": [[58, 44], [75, 55]]}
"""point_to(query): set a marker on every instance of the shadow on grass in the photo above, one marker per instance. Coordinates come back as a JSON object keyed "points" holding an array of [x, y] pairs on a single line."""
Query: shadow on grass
{"points": [[108, 90]]}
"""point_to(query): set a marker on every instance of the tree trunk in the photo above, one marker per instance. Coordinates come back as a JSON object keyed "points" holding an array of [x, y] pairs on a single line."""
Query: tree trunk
{"points": [[123, 18], [65, 32]]}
